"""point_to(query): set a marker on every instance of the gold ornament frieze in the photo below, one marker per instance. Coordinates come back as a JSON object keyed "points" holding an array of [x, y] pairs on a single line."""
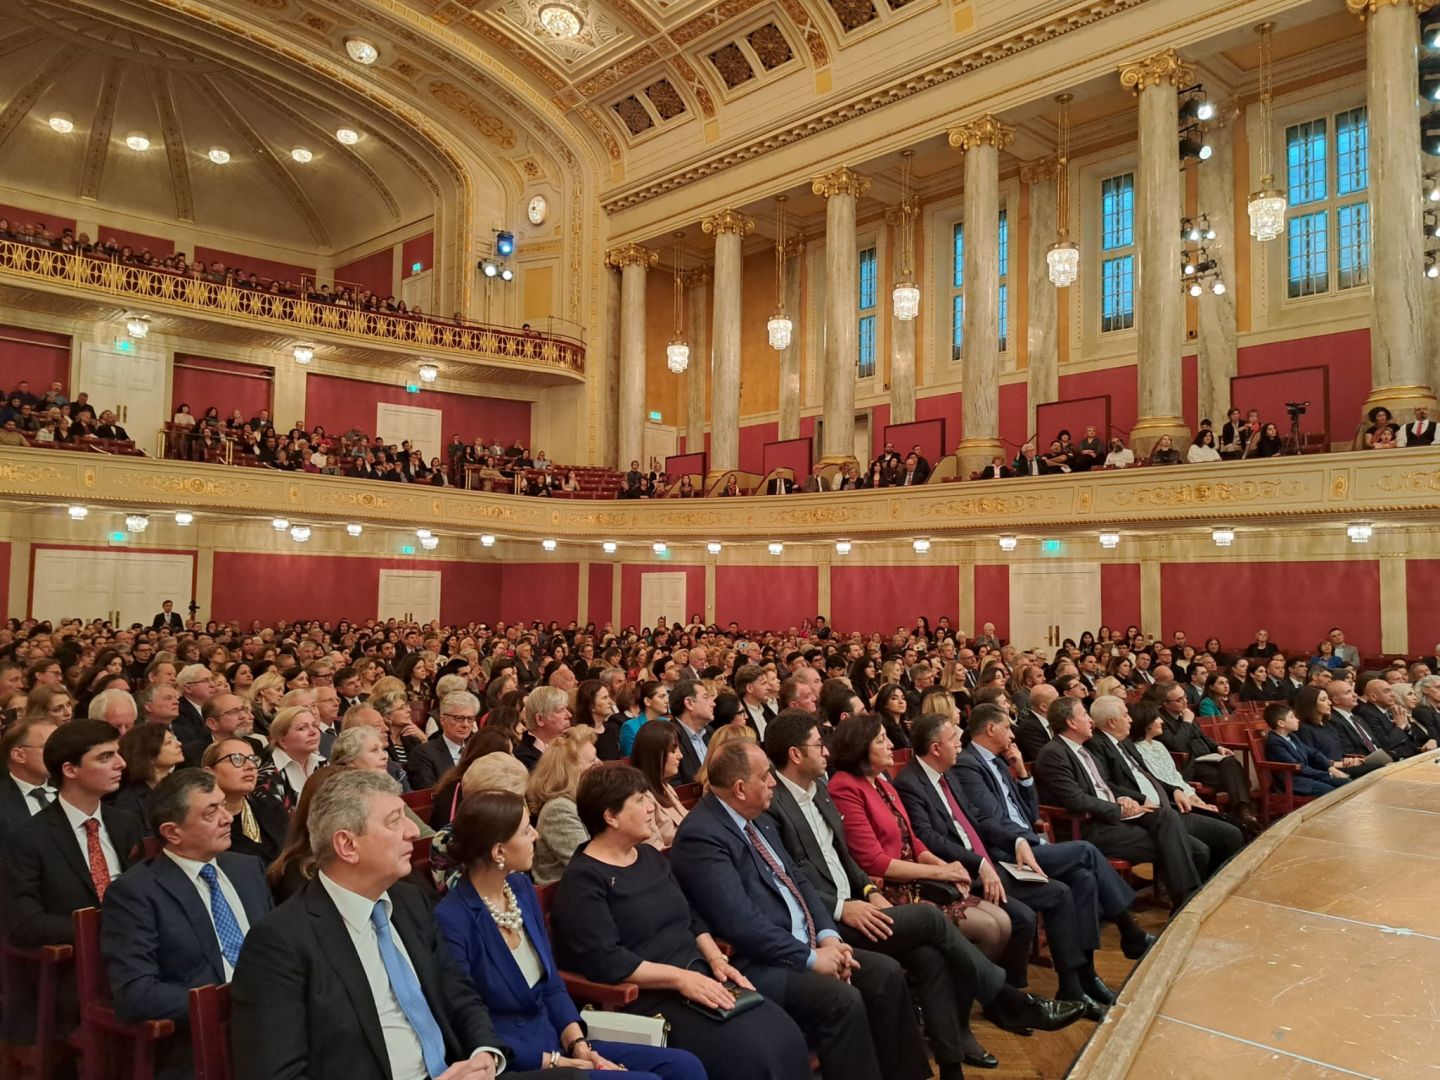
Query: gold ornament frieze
{"points": [[987, 130], [1164, 67], [841, 181], [1003, 506], [30, 475], [1416, 482], [176, 484], [1209, 494]]}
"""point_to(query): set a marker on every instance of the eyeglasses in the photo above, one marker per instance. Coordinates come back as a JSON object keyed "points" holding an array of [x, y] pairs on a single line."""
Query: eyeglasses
{"points": [[240, 760], [457, 716]]}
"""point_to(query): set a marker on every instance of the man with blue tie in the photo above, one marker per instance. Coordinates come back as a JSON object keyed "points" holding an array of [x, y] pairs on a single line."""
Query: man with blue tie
{"points": [[1004, 807], [349, 977], [178, 920]]}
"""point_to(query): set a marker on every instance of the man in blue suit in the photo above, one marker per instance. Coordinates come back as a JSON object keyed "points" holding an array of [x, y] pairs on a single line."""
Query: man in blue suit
{"points": [[1004, 810], [854, 1004], [178, 920]]}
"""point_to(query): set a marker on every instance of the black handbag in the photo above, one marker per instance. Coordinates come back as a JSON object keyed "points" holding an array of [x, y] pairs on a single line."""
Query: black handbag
{"points": [[745, 1000], [939, 893]]}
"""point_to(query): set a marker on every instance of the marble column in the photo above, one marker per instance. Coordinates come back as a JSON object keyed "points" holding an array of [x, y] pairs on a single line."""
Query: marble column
{"points": [[610, 376], [1399, 373], [789, 427], [902, 331], [1042, 330], [729, 229], [981, 140], [633, 261], [841, 189], [698, 374], [1216, 360], [1159, 301]]}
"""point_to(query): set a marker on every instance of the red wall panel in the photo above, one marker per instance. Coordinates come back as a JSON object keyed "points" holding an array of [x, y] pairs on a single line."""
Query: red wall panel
{"points": [[226, 384], [1119, 383], [1422, 586], [17, 215], [469, 592], [137, 242], [418, 249], [1231, 600], [602, 595], [373, 272], [1347, 355], [992, 599], [765, 597], [337, 403], [881, 598], [36, 356], [1014, 417], [542, 591], [1120, 594], [630, 589], [752, 445], [792, 454], [263, 267]]}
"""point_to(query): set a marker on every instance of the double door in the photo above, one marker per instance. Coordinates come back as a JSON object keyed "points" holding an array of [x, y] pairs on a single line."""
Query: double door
{"points": [[1052, 602], [409, 595], [122, 586]]}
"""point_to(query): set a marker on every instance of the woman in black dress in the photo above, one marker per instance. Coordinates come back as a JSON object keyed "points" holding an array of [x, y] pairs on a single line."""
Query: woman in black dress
{"points": [[620, 916], [258, 823]]}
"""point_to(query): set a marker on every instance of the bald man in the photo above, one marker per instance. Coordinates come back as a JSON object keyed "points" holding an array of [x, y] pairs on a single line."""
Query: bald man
{"points": [[1032, 730]]}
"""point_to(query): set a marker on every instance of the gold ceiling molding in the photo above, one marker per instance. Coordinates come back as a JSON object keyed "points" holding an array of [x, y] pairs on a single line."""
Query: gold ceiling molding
{"points": [[162, 91], [809, 29], [481, 119], [841, 181], [602, 132], [98, 148], [899, 90], [1164, 67], [987, 130], [1369, 7], [632, 255], [727, 222], [697, 87]]}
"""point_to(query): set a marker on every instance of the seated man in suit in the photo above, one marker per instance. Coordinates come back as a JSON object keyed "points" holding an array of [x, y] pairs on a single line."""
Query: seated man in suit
{"points": [[25, 786], [914, 472], [349, 978], [1069, 777], [1032, 730], [1390, 727], [853, 1004], [178, 920], [779, 485], [932, 799], [1317, 775], [547, 716], [693, 707], [436, 757], [946, 970], [1029, 463], [1181, 735], [1127, 774], [226, 716]]}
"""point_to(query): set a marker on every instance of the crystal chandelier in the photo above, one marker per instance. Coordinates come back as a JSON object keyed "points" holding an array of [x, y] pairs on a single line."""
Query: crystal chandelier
{"points": [[779, 327], [906, 294], [1267, 206], [677, 353], [1063, 258]]}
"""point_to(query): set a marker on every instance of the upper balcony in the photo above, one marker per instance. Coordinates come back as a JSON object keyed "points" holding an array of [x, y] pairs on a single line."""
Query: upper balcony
{"points": [[92, 286]]}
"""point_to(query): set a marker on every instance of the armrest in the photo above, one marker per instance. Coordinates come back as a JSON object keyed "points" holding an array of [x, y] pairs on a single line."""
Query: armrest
{"points": [[602, 995], [103, 1014], [1058, 814], [45, 954]]}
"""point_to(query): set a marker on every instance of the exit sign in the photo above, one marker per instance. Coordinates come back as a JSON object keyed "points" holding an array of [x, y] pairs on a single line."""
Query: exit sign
{"points": [[412, 387], [655, 415]]}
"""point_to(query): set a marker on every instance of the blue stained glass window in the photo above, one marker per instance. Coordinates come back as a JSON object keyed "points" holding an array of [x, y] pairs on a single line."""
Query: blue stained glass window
{"points": [[1117, 212], [1305, 162], [1117, 293], [1307, 254]]}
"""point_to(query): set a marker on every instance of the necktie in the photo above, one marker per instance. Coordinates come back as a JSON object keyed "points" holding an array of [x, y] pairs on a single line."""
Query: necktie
{"points": [[972, 838], [227, 927], [1102, 789], [99, 870], [1360, 730], [41, 795], [408, 993], [753, 835], [1007, 793]]}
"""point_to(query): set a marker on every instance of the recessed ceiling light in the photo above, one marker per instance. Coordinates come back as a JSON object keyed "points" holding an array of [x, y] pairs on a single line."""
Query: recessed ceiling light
{"points": [[561, 20], [303, 353], [347, 136], [136, 325], [61, 122], [429, 373], [138, 141], [301, 155], [300, 533], [921, 546], [1008, 542], [361, 51], [137, 523], [219, 155]]}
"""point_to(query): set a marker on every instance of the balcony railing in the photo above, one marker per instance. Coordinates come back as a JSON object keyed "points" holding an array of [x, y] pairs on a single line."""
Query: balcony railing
{"points": [[160, 287]]}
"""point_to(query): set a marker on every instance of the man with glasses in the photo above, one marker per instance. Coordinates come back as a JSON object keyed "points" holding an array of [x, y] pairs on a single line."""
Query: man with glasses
{"points": [[1209, 763], [27, 791], [435, 758], [226, 716]]}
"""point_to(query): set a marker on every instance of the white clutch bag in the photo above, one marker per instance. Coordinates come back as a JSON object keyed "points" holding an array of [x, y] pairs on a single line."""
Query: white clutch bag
{"points": [[626, 1027]]}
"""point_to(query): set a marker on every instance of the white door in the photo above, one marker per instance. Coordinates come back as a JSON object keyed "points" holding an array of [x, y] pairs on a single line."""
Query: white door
{"points": [[1049, 603], [662, 594], [864, 449], [132, 384], [398, 423], [658, 443], [415, 289], [126, 586], [410, 595]]}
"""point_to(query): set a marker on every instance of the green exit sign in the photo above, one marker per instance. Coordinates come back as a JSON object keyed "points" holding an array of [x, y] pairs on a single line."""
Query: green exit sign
{"points": [[407, 549], [412, 388], [1050, 547], [655, 415], [415, 268]]}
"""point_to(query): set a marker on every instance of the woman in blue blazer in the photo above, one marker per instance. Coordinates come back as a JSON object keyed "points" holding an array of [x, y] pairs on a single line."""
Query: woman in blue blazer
{"points": [[492, 921]]}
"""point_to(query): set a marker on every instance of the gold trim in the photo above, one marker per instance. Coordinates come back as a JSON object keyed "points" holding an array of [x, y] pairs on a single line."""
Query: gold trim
{"points": [[632, 255], [987, 130], [841, 181], [1363, 8], [1040, 171], [726, 222], [1165, 66]]}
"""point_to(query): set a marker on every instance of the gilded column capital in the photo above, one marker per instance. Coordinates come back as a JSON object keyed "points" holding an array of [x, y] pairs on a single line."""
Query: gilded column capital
{"points": [[631, 255], [728, 221], [696, 277], [842, 181], [903, 213], [794, 246], [1165, 66], [1369, 7], [1039, 171], [987, 130]]}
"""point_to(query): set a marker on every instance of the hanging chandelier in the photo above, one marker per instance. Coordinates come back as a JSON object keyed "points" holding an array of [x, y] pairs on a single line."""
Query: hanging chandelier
{"points": [[1063, 258], [1267, 206], [677, 353], [906, 295], [779, 328]]}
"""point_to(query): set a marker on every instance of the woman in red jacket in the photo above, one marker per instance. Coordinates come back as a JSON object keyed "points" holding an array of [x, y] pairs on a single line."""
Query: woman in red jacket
{"points": [[879, 834]]}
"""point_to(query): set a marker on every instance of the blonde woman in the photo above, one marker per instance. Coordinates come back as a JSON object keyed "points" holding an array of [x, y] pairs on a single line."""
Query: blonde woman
{"points": [[293, 754], [264, 697], [551, 798], [728, 733]]}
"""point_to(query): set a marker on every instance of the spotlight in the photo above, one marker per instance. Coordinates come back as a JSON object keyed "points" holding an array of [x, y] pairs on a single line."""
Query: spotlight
{"points": [[1189, 269], [1223, 536], [137, 325], [1109, 540], [1195, 107], [487, 540], [279, 524], [1430, 30], [609, 547], [507, 274], [1430, 142], [1359, 532], [1008, 542], [429, 373], [714, 547], [184, 517], [61, 123], [303, 353], [488, 268], [776, 548], [79, 513], [1217, 287], [430, 543], [137, 523], [658, 547], [354, 528], [1189, 231], [1430, 78], [547, 544], [1195, 147], [921, 545], [1432, 271], [1195, 289], [842, 547], [300, 533], [505, 244]]}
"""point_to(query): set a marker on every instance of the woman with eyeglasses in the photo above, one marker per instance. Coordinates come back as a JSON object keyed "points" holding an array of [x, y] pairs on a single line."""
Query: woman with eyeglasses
{"points": [[258, 823]]}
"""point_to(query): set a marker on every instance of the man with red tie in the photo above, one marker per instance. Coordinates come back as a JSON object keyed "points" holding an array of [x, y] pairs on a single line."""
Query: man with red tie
{"points": [[1419, 432]]}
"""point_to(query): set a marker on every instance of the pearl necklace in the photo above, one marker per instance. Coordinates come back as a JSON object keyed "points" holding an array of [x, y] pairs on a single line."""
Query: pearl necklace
{"points": [[511, 919]]}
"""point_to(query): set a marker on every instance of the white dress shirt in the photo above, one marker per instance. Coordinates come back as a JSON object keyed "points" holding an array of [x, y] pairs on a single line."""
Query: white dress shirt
{"points": [[1092, 770], [192, 871], [756, 714], [31, 803], [294, 773], [1141, 780], [824, 836], [77, 819], [402, 1045], [454, 750], [935, 778]]}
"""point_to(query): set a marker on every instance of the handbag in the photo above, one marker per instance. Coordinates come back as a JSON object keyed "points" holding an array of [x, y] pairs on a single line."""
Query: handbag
{"points": [[745, 1000], [626, 1027], [940, 893]]}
